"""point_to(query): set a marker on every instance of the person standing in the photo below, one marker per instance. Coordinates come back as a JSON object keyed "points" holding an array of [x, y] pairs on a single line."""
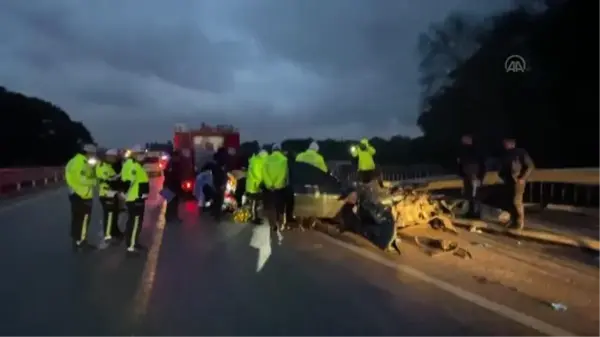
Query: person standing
{"points": [[275, 180], [312, 157], [516, 167], [364, 153], [289, 199], [173, 183], [254, 179], [471, 168], [134, 174], [108, 193], [81, 180]]}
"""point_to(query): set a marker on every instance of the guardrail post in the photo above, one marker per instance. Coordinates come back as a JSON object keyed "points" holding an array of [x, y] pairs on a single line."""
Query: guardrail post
{"points": [[18, 186], [33, 183], [45, 181]]}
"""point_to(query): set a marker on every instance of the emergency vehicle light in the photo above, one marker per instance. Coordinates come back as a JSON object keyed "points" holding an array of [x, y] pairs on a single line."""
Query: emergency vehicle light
{"points": [[92, 161], [186, 185]]}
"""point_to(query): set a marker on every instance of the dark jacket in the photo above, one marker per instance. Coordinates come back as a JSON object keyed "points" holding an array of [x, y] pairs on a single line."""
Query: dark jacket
{"points": [[515, 164], [291, 157], [173, 174], [219, 174], [471, 163]]}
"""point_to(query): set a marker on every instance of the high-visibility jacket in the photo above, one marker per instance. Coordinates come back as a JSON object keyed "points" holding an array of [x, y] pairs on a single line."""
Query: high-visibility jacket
{"points": [[134, 173], [313, 158], [80, 176], [365, 157], [254, 176], [275, 171], [105, 172]]}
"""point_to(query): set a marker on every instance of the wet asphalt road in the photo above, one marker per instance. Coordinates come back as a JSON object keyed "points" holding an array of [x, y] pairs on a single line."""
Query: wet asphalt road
{"points": [[200, 278]]}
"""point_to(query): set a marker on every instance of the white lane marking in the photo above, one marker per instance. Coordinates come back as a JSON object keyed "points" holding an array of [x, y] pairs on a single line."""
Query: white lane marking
{"points": [[12, 206], [494, 307]]}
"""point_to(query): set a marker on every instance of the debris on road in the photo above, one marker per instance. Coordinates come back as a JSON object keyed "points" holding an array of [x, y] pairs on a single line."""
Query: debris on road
{"points": [[437, 247], [558, 307]]}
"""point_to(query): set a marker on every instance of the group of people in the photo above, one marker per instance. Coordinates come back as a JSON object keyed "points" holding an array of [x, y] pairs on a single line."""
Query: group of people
{"points": [[117, 183], [270, 175], [515, 167]]}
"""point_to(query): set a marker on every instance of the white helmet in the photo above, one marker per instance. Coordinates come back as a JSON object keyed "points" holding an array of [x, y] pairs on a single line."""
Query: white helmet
{"points": [[137, 149], [112, 152], [276, 147], [89, 148], [314, 146]]}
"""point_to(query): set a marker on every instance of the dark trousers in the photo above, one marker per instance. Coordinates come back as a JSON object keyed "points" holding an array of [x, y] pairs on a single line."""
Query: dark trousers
{"points": [[216, 206], [368, 176], [172, 212], [110, 217], [81, 211], [254, 199], [240, 189], [289, 203], [470, 194], [513, 201], [274, 205], [135, 220]]}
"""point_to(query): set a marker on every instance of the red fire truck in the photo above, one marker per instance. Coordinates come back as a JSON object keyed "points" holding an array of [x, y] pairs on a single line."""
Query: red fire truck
{"points": [[197, 147]]}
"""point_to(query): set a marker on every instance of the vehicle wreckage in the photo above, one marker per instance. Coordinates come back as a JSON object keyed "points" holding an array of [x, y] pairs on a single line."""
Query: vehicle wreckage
{"points": [[366, 209]]}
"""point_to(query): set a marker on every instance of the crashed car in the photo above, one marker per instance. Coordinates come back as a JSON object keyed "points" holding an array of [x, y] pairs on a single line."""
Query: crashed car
{"points": [[319, 195]]}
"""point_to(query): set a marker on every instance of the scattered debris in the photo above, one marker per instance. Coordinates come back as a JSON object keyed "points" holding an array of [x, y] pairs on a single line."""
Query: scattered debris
{"points": [[413, 207], [482, 244], [437, 247], [475, 229], [558, 306]]}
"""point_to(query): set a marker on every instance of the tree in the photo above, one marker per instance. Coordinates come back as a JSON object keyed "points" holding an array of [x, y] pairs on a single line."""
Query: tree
{"points": [[547, 108], [37, 133]]}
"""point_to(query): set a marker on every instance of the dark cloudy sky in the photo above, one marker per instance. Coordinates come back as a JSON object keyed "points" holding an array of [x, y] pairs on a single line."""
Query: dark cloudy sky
{"points": [[130, 69]]}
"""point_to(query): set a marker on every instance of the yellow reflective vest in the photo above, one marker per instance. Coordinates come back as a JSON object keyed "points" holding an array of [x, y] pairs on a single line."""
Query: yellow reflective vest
{"points": [[275, 171], [104, 172], [313, 158], [80, 176], [134, 173], [365, 157], [254, 177]]}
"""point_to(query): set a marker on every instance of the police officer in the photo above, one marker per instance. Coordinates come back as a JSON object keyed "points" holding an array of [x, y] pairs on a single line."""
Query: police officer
{"points": [[516, 167], [81, 180], [134, 174], [275, 180], [312, 157], [471, 168], [364, 153], [254, 179], [108, 192]]}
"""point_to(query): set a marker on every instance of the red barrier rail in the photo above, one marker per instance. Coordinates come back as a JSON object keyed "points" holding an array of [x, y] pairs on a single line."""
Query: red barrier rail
{"points": [[15, 179]]}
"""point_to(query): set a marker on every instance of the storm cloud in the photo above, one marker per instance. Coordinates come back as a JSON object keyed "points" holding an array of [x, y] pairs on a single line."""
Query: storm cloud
{"points": [[132, 69]]}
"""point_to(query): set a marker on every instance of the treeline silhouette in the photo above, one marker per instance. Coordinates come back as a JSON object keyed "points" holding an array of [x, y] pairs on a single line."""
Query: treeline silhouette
{"points": [[551, 108], [35, 132]]}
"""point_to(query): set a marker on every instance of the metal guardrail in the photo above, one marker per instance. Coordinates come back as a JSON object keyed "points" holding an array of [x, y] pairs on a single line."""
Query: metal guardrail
{"points": [[16, 179], [572, 187]]}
